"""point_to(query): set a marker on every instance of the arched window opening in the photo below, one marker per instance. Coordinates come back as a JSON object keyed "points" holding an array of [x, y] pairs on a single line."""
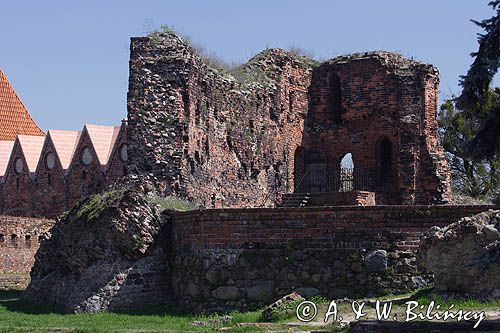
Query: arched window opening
{"points": [[2, 238], [315, 163], [384, 163], [27, 240], [346, 173]]}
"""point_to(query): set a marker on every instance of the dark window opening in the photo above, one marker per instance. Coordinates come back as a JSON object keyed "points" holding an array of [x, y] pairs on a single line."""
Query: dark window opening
{"points": [[384, 163], [49, 179], [335, 99], [13, 239], [2, 238], [27, 240]]}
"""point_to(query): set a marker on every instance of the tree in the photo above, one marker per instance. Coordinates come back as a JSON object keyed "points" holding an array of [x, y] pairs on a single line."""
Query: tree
{"points": [[475, 91], [470, 176]]}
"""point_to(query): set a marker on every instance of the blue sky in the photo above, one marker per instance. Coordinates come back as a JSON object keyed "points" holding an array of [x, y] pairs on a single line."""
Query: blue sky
{"points": [[68, 60]]}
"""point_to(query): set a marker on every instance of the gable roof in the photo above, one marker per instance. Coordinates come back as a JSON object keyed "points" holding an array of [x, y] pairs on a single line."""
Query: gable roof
{"points": [[65, 144], [5, 151], [31, 147], [14, 117], [103, 139]]}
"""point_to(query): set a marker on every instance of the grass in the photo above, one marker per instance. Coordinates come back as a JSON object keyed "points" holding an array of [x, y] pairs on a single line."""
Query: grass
{"points": [[460, 303], [18, 315], [171, 202]]}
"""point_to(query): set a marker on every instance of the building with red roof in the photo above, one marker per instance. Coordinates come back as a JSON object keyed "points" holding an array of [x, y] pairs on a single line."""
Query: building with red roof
{"points": [[14, 117]]}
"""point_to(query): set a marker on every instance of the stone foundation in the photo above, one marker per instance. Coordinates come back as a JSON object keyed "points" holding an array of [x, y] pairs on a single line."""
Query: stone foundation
{"points": [[115, 251], [238, 259]]}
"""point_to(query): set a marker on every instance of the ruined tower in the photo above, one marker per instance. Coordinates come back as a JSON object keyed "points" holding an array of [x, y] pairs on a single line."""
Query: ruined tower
{"points": [[282, 123]]}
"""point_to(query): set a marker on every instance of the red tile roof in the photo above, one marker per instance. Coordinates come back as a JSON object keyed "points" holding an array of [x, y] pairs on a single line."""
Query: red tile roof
{"points": [[103, 138], [14, 118], [5, 151], [65, 144]]}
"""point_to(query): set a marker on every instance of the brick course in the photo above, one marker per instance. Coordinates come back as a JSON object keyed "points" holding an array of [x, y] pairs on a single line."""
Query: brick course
{"points": [[19, 240]]}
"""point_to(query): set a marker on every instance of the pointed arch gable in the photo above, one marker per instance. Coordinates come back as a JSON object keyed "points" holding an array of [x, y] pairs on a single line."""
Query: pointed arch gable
{"points": [[28, 149], [83, 141], [47, 147], [84, 178]]}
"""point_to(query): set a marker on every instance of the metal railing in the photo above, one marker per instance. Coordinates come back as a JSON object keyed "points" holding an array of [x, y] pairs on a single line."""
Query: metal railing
{"points": [[343, 180]]}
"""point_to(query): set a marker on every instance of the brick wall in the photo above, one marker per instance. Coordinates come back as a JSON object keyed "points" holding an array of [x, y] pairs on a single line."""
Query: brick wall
{"points": [[232, 140], [48, 192], [382, 97], [50, 186], [20, 238], [207, 136], [228, 259], [331, 227], [19, 185]]}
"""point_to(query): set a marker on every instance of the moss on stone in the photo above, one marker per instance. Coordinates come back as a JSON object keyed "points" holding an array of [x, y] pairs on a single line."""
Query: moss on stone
{"points": [[93, 207], [171, 202]]}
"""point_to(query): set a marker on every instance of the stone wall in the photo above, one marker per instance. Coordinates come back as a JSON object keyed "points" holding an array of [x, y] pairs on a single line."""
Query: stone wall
{"points": [[115, 250], [19, 240], [282, 123], [236, 259], [108, 253], [203, 134]]}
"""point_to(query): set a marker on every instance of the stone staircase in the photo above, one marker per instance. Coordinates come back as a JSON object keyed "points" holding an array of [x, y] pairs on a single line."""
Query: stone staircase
{"points": [[295, 200]]}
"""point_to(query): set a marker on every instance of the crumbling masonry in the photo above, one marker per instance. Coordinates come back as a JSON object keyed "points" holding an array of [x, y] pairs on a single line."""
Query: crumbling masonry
{"points": [[282, 123]]}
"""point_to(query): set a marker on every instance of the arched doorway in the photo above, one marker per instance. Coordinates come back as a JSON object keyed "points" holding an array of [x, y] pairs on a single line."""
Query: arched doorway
{"points": [[346, 173], [315, 165]]}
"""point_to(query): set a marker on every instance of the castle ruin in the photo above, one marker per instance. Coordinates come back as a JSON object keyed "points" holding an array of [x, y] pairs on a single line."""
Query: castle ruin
{"points": [[282, 123], [265, 139]]}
